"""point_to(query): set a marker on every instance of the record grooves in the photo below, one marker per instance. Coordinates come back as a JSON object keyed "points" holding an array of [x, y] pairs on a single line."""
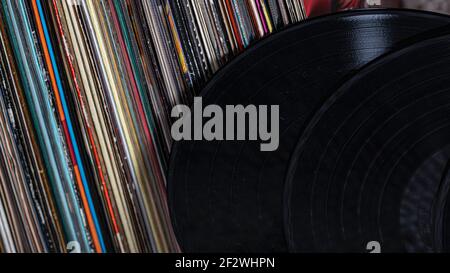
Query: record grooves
{"points": [[228, 196], [372, 163]]}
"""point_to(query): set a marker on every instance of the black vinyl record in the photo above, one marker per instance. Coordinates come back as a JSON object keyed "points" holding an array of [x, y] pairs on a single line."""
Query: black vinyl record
{"points": [[227, 196], [372, 165]]}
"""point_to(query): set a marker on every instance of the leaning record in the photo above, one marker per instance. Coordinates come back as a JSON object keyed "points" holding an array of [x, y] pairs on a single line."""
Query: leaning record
{"points": [[227, 196], [372, 165]]}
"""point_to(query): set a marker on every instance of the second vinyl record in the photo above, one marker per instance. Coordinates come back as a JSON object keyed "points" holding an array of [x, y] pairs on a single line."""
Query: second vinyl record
{"points": [[372, 165]]}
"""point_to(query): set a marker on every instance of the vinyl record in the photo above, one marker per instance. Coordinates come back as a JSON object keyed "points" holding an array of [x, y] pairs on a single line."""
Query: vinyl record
{"points": [[442, 216], [372, 165], [227, 196]]}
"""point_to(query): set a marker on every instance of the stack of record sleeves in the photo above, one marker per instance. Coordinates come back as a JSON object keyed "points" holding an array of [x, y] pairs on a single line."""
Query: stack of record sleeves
{"points": [[86, 92]]}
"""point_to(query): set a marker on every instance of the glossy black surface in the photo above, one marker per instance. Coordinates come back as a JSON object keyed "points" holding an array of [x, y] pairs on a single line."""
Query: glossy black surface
{"points": [[228, 196], [372, 163]]}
